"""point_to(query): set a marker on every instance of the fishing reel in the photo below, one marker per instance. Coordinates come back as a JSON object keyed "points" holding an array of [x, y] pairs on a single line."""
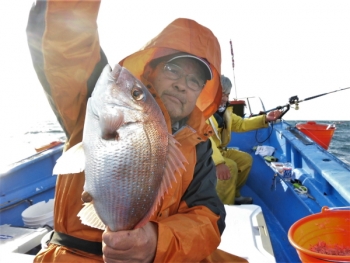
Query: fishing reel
{"points": [[284, 109], [294, 100]]}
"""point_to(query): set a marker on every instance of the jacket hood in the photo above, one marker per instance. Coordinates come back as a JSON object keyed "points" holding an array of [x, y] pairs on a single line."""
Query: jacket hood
{"points": [[184, 35]]}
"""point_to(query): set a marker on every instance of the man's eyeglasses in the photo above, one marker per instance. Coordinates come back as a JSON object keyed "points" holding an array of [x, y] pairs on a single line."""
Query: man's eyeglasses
{"points": [[175, 72]]}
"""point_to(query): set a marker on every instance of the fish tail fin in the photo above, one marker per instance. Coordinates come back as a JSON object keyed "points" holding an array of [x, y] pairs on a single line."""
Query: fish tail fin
{"points": [[72, 161], [88, 216], [175, 162]]}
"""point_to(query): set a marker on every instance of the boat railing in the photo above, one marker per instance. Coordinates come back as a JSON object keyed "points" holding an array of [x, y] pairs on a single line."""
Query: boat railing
{"points": [[27, 182]]}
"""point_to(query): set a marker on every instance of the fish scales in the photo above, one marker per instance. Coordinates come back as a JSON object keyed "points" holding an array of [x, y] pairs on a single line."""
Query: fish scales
{"points": [[130, 176], [126, 149], [127, 166]]}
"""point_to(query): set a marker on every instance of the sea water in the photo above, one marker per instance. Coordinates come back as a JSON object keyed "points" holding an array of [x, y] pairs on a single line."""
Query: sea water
{"points": [[20, 142]]}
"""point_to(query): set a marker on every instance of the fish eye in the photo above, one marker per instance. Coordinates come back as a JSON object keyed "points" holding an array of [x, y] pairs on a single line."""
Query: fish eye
{"points": [[137, 94]]}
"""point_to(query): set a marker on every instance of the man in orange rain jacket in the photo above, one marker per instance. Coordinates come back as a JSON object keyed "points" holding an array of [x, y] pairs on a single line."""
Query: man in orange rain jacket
{"points": [[67, 57]]}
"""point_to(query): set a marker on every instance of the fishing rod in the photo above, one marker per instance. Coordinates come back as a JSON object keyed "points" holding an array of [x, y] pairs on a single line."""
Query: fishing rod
{"points": [[316, 96], [233, 68], [294, 100]]}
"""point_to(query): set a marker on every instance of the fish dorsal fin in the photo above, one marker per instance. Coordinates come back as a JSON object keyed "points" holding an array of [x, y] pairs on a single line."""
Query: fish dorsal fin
{"points": [[72, 161], [89, 217], [175, 162]]}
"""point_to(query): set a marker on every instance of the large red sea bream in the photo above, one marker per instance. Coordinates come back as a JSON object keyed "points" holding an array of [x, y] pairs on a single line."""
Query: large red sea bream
{"points": [[128, 155]]}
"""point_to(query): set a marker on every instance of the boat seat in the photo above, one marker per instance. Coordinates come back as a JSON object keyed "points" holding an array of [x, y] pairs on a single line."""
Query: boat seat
{"points": [[16, 242], [17, 257], [246, 234]]}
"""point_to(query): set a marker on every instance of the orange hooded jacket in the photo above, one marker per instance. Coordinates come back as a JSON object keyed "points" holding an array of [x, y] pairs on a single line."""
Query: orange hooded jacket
{"points": [[66, 54]]}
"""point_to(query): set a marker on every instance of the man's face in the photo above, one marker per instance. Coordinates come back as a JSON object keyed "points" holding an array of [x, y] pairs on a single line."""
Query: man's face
{"points": [[178, 98]]}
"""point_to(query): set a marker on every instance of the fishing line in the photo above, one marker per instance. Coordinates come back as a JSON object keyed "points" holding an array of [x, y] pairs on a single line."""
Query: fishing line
{"points": [[256, 134]]}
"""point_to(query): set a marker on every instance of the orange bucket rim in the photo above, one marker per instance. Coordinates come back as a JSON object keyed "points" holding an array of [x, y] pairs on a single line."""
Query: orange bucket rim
{"points": [[325, 210]]}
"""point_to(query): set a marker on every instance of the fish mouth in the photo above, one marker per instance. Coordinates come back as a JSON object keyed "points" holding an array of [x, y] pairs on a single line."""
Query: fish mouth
{"points": [[115, 73]]}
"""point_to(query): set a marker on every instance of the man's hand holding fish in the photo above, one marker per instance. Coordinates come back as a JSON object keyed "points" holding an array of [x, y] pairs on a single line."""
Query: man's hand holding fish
{"points": [[137, 245]]}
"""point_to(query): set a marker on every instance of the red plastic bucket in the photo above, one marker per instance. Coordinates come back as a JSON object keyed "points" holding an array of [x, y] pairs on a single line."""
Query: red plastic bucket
{"points": [[330, 228], [320, 133]]}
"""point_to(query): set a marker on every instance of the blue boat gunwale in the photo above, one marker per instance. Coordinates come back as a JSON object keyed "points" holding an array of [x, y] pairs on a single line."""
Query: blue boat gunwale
{"points": [[282, 206], [27, 182], [323, 162], [22, 164]]}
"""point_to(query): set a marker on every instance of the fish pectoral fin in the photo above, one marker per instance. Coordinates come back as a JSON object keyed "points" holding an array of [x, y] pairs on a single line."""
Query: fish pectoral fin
{"points": [[71, 161], [89, 217], [175, 162]]}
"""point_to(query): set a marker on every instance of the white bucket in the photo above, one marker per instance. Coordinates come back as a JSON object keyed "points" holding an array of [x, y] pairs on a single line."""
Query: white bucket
{"points": [[39, 214]]}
